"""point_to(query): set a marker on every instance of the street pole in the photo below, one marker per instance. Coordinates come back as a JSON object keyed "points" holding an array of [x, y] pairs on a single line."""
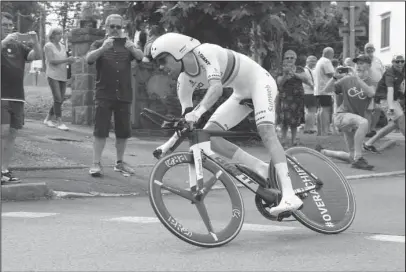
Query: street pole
{"points": [[352, 29], [18, 22], [345, 46]]}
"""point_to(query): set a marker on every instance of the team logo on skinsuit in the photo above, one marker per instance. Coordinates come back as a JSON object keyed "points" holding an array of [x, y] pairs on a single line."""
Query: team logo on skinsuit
{"points": [[203, 58], [271, 102]]}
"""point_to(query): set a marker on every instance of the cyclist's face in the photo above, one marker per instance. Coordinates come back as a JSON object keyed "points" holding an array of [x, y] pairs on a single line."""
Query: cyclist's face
{"points": [[167, 63]]}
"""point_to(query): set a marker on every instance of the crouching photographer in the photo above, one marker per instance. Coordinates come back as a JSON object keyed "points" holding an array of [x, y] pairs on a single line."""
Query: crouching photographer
{"points": [[355, 92]]}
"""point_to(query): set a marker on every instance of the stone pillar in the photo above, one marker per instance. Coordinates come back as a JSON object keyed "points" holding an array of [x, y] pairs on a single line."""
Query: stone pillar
{"points": [[83, 75]]}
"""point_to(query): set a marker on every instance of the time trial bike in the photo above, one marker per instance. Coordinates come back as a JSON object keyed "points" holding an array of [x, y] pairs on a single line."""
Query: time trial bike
{"points": [[328, 200]]}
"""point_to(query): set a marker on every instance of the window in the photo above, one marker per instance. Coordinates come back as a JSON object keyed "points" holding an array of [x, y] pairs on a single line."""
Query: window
{"points": [[385, 30]]}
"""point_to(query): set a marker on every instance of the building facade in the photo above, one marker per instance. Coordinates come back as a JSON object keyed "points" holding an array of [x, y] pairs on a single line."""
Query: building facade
{"points": [[387, 29]]}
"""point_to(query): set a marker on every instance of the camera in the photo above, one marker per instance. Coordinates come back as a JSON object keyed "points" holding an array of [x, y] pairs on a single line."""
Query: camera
{"points": [[343, 70], [24, 38]]}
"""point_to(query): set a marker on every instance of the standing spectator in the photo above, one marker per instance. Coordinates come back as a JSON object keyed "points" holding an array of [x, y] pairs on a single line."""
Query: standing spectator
{"points": [[56, 60], [323, 71], [309, 98], [388, 94], [377, 70], [348, 62], [153, 33], [113, 91], [337, 99], [291, 96], [357, 92], [14, 54]]}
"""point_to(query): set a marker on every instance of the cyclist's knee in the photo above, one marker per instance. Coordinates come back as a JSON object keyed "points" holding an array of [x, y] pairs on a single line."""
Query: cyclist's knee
{"points": [[212, 126], [220, 145], [267, 131]]}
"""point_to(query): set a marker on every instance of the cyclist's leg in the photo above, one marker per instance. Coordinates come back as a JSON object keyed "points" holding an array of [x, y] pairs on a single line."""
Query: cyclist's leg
{"points": [[223, 120], [263, 97]]}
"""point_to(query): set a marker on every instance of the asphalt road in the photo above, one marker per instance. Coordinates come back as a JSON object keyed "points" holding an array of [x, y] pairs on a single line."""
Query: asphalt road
{"points": [[122, 234]]}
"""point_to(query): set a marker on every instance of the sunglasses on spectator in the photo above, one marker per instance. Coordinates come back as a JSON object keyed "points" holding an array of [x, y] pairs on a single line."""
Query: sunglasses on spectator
{"points": [[115, 27], [290, 58], [399, 61]]}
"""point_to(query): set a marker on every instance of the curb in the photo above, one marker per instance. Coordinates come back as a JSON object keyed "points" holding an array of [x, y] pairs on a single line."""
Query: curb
{"points": [[36, 168], [29, 191], [67, 195], [376, 175], [34, 191]]}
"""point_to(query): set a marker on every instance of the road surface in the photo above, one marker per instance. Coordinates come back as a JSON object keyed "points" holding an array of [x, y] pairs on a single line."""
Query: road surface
{"points": [[122, 234]]}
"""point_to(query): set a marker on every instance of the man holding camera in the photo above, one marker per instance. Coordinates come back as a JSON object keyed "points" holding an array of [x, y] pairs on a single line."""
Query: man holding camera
{"points": [[113, 56], [357, 91], [14, 54]]}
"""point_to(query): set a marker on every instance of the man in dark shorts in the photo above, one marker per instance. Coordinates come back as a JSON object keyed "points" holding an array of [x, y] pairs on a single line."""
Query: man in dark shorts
{"points": [[14, 54], [323, 71], [113, 57]]}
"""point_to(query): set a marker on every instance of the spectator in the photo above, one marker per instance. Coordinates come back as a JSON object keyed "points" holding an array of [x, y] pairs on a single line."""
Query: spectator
{"points": [[348, 62], [291, 96], [357, 92], [323, 71], [113, 91], [309, 98], [14, 54], [56, 59], [388, 94], [153, 33], [337, 99], [377, 70]]}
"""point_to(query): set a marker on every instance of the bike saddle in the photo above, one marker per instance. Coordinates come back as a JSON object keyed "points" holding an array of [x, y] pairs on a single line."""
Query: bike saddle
{"points": [[247, 102]]}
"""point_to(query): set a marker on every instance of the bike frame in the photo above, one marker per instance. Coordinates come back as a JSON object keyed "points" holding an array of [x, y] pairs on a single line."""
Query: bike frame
{"points": [[200, 146]]}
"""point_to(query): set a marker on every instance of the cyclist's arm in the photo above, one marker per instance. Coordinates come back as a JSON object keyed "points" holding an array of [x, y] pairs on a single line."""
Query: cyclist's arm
{"points": [[215, 90], [185, 94]]}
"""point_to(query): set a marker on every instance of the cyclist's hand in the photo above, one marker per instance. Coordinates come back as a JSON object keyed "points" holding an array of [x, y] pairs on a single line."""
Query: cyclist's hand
{"points": [[192, 117], [161, 151]]}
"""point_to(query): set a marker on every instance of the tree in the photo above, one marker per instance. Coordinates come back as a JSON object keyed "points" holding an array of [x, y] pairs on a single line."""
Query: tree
{"points": [[66, 12], [25, 14]]}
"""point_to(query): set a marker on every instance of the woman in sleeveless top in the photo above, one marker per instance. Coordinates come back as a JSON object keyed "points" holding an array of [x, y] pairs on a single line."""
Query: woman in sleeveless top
{"points": [[56, 60], [291, 97]]}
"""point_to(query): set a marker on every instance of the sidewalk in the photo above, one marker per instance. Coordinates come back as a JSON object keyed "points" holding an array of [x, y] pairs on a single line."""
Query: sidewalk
{"points": [[61, 159]]}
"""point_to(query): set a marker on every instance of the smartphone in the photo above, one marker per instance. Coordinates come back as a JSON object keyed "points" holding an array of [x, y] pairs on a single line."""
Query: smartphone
{"points": [[120, 41], [24, 38]]}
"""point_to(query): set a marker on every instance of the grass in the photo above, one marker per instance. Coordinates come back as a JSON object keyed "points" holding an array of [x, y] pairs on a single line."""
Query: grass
{"points": [[39, 100]]}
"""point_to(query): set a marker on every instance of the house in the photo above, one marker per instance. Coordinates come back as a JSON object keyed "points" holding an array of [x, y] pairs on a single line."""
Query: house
{"points": [[387, 29]]}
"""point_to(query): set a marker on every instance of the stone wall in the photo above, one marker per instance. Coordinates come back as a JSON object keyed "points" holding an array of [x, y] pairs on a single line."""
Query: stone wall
{"points": [[155, 90], [83, 75]]}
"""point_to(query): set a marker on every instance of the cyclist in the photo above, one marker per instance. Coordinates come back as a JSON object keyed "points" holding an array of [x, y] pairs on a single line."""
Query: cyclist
{"points": [[213, 67]]}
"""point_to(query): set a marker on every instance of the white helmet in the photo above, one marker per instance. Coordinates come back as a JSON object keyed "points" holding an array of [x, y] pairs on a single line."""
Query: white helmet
{"points": [[176, 44]]}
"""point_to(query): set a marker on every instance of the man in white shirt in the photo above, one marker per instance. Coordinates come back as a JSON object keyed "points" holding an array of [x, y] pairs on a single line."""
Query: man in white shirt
{"points": [[323, 71], [309, 98], [377, 69]]}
